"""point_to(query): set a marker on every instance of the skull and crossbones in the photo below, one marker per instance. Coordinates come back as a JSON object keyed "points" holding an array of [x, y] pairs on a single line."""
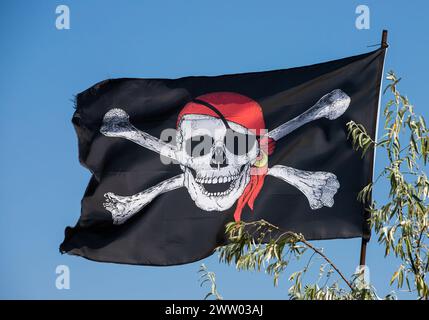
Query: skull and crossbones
{"points": [[219, 177]]}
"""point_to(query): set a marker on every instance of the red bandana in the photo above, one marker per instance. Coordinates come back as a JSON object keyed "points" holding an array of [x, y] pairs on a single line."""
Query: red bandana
{"points": [[247, 113]]}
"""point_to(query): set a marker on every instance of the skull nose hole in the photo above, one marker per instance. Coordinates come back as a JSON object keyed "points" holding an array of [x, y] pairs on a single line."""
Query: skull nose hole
{"points": [[218, 158]]}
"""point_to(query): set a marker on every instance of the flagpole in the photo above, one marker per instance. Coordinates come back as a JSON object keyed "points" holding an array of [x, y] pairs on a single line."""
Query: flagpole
{"points": [[362, 258], [384, 39], [363, 252]]}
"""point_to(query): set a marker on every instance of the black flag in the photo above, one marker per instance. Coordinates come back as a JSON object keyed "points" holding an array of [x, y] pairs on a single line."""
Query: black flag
{"points": [[174, 160]]}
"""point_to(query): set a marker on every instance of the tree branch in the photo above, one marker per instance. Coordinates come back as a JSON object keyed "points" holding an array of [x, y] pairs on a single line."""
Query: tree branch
{"points": [[316, 250]]}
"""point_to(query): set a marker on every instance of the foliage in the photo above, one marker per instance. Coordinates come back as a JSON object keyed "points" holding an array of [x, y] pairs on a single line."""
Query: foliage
{"points": [[401, 223], [209, 277], [259, 245]]}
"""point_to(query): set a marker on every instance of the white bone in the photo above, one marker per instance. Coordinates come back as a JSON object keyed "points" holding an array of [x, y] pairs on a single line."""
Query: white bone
{"points": [[124, 207], [116, 124], [330, 106], [319, 187]]}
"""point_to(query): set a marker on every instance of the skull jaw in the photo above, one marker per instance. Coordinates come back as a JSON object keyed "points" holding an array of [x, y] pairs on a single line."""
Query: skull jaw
{"points": [[216, 203]]}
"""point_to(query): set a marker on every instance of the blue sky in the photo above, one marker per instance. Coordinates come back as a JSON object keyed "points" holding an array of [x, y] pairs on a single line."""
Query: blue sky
{"points": [[42, 68]]}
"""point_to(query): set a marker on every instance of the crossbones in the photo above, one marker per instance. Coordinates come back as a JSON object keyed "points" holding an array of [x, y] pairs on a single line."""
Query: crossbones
{"points": [[211, 169]]}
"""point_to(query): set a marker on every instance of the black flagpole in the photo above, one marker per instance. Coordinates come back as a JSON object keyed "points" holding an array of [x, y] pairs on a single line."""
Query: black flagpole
{"points": [[363, 252], [384, 39], [362, 259]]}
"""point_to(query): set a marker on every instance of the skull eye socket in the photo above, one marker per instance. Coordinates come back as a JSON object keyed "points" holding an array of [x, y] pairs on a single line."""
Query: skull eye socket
{"points": [[199, 146], [239, 143]]}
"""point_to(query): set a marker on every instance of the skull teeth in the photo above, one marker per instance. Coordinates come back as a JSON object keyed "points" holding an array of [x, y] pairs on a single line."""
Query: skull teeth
{"points": [[217, 179], [218, 194]]}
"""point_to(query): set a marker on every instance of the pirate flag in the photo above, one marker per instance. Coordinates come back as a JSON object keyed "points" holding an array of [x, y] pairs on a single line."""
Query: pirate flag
{"points": [[174, 160]]}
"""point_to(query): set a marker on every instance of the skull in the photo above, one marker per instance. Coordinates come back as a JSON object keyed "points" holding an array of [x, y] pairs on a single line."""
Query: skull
{"points": [[216, 160]]}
